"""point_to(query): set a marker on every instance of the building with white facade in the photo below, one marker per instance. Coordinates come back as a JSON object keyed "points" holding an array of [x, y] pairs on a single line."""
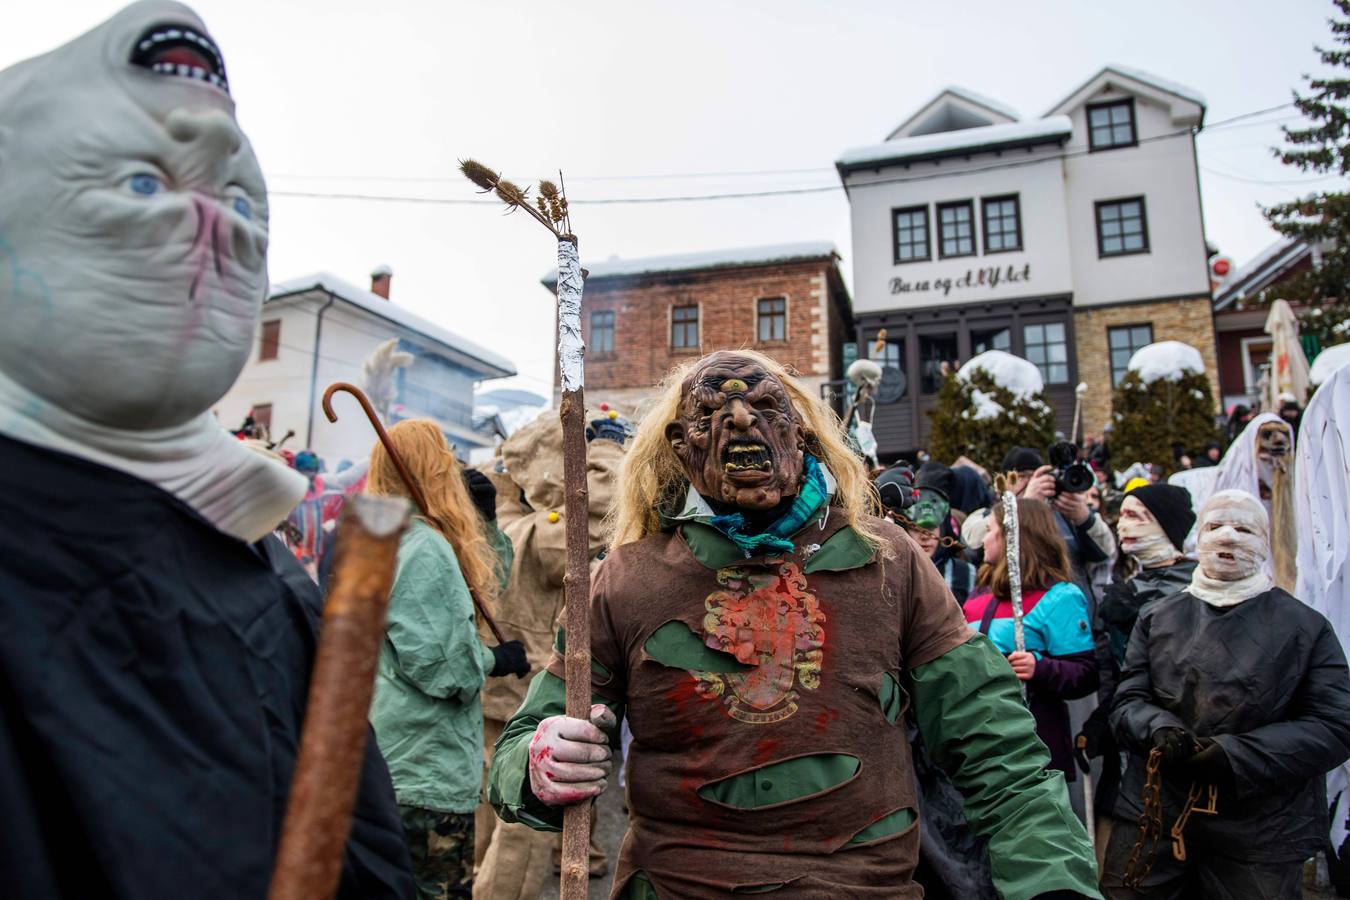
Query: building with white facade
{"points": [[1070, 239], [319, 329]]}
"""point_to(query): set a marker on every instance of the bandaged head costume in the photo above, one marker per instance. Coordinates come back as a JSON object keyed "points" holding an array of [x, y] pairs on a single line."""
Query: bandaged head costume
{"points": [[1234, 546], [133, 240]]}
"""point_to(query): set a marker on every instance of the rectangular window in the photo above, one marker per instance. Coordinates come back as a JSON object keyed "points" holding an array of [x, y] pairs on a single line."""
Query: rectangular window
{"points": [[1002, 224], [891, 358], [684, 328], [270, 339], [771, 315], [262, 415], [602, 331], [1111, 125], [1048, 347], [1121, 227], [1123, 341], [911, 234], [982, 339], [956, 229], [935, 350]]}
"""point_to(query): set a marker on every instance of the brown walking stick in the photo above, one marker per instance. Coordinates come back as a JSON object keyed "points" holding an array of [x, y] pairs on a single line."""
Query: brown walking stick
{"points": [[333, 739], [413, 490], [550, 210]]}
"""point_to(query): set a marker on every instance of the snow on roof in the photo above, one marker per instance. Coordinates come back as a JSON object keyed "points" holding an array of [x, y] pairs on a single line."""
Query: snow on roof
{"points": [[1327, 362], [1162, 84], [1236, 285], [951, 142], [981, 100], [709, 259], [1014, 373], [494, 365], [1171, 360]]}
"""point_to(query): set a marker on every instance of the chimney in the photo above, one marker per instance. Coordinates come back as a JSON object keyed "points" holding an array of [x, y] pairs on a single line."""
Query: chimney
{"points": [[379, 281]]}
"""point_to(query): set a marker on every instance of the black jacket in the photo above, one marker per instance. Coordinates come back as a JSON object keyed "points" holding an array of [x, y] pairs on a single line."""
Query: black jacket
{"points": [[1267, 679], [153, 678], [1118, 610]]}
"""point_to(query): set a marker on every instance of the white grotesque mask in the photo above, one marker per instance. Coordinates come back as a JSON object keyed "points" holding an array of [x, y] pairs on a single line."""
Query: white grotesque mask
{"points": [[133, 249], [1234, 544], [1142, 537]]}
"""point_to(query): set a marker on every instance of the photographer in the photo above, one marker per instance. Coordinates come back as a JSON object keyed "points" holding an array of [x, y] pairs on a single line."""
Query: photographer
{"points": [[1088, 537]]}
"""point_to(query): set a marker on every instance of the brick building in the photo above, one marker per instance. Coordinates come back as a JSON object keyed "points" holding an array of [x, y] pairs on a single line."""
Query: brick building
{"points": [[1071, 240], [642, 317]]}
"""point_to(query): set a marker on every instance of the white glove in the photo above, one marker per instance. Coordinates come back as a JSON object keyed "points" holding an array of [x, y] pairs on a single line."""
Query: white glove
{"points": [[570, 758]]}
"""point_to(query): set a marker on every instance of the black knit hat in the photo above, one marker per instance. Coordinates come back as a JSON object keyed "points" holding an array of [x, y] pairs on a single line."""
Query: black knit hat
{"points": [[1171, 506], [1022, 459]]}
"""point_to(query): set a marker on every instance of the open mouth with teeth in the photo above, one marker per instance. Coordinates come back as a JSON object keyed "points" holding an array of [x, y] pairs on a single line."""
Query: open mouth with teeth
{"points": [[746, 456], [182, 52]]}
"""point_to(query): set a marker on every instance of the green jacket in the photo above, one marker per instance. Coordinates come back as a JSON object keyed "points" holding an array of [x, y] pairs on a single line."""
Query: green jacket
{"points": [[970, 712], [427, 714]]}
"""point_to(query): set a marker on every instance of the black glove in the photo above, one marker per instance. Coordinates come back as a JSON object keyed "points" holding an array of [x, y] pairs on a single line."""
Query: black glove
{"points": [[510, 660], [483, 492], [1177, 744], [1211, 765], [1095, 735]]}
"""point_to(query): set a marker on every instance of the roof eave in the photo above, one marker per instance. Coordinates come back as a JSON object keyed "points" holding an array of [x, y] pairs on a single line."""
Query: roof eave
{"points": [[846, 168]]}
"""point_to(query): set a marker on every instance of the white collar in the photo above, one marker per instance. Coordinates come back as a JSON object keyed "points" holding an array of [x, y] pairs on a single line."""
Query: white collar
{"points": [[1228, 593], [242, 493]]}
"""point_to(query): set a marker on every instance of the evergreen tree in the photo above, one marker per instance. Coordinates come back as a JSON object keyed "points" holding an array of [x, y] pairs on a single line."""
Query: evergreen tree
{"points": [[1321, 219], [1152, 417], [977, 418]]}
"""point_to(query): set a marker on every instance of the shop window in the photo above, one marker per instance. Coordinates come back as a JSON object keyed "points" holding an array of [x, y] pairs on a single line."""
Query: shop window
{"points": [[934, 351], [771, 319], [1047, 346], [1121, 227], [684, 328], [892, 353], [1111, 125], [270, 340], [1002, 224], [1123, 341], [982, 339], [911, 234], [956, 229], [602, 331], [262, 415]]}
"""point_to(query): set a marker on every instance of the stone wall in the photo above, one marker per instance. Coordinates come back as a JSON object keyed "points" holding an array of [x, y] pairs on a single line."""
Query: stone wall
{"points": [[1188, 320]]}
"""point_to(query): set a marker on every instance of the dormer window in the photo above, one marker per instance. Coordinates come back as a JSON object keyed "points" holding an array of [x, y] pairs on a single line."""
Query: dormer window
{"points": [[1111, 125]]}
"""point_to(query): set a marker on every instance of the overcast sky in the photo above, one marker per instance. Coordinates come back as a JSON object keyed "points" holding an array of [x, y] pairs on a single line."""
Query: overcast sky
{"points": [[341, 96]]}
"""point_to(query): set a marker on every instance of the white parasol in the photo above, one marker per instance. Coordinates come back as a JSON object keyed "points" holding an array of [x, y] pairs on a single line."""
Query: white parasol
{"points": [[1288, 364]]}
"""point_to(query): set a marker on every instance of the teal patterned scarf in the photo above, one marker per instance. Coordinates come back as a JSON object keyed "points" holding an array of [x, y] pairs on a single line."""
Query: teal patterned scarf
{"points": [[813, 495]]}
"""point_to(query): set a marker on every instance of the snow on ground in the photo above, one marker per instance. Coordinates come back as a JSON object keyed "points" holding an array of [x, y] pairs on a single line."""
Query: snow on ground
{"points": [[1014, 373], [1171, 360], [1327, 362]]}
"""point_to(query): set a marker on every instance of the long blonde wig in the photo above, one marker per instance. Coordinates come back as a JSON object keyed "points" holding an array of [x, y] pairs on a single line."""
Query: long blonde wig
{"points": [[653, 478], [423, 448]]}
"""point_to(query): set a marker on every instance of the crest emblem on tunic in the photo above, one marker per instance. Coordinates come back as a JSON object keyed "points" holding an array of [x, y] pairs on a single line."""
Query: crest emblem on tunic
{"points": [[768, 620]]}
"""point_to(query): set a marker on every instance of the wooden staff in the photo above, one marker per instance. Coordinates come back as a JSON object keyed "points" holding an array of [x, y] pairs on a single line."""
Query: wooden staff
{"points": [[550, 210], [413, 490], [333, 740]]}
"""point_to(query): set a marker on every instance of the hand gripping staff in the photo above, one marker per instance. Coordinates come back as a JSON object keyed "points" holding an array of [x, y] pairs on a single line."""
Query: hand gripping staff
{"points": [[550, 210], [413, 490]]}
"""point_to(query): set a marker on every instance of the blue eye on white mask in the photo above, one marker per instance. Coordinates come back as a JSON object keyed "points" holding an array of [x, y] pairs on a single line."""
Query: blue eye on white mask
{"points": [[243, 207], [145, 184]]}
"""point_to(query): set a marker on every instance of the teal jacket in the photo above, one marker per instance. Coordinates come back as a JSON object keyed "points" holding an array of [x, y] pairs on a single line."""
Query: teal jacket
{"points": [[427, 714]]}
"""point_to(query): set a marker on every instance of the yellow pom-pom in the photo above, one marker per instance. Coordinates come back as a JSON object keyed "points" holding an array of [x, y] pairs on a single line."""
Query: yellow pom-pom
{"points": [[553, 517], [613, 413]]}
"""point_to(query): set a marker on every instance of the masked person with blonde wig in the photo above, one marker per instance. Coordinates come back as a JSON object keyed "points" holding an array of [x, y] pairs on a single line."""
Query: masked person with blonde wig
{"points": [[1234, 700], [427, 712], [763, 633]]}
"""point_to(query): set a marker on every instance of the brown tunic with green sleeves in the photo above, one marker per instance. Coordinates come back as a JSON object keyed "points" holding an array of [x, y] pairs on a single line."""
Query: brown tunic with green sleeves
{"points": [[765, 700]]}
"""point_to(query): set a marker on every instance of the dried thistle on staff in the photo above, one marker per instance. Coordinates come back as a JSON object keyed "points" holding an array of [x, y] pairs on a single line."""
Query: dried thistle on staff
{"points": [[549, 209]]}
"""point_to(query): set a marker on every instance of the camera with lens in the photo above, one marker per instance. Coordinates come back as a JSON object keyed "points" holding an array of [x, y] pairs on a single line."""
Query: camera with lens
{"points": [[1071, 475]]}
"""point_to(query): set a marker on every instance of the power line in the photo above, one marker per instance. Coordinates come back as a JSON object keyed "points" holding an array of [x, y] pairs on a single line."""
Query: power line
{"points": [[777, 192], [1272, 182]]}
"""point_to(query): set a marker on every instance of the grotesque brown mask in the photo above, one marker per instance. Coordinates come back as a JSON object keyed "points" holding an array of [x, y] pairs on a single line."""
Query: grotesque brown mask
{"points": [[737, 433]]}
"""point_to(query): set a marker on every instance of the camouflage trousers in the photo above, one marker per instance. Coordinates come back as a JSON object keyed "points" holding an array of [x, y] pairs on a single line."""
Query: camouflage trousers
{"points": [[441, 846]]}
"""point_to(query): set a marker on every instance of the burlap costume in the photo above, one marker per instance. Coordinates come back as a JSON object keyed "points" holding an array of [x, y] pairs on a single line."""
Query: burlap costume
{"points": [[514, 860]]}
